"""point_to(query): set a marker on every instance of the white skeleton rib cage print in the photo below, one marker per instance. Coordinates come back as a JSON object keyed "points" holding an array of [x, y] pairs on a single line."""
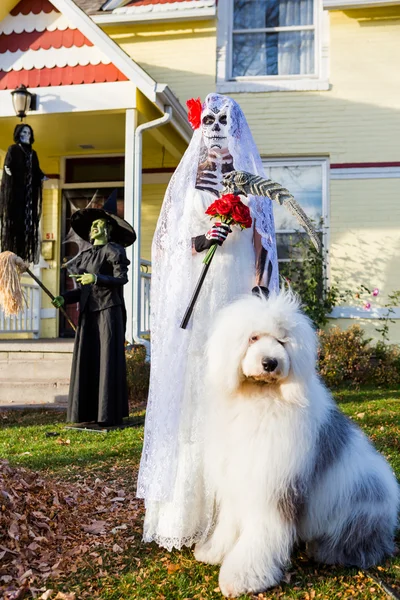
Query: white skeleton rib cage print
{"points": [[179, 510]]}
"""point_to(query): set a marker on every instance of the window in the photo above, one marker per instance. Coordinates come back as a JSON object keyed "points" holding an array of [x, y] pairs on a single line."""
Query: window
{"points": [[307, 181], [273, 37], [272, 45]]}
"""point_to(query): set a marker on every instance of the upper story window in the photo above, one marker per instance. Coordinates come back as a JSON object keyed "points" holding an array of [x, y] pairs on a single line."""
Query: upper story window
{"points": [[273, 38], [272, 45]]}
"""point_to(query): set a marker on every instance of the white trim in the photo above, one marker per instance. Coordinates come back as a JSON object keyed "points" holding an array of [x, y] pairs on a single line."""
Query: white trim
{"points": [[366, 173], [355, 312], [35, 22], [52, 57], [77, 98], [194, 14], [275, 83], [344, 4], [165, 7]]}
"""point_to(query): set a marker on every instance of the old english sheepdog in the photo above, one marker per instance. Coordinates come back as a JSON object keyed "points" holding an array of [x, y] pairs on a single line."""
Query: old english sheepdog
{"points": [[283, 462]]}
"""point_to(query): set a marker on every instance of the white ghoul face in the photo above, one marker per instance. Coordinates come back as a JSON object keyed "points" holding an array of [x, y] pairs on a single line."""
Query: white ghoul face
{"points": [[214, 126], [25, 135], [266, 359]]}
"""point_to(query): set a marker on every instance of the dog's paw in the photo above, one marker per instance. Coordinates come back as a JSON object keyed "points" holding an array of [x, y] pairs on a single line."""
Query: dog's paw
{"points": [[207, 553], [234, 583]]}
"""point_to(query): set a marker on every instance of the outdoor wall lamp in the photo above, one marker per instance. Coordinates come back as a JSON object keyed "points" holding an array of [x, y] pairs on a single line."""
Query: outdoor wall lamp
{"points": [[23, 101]]}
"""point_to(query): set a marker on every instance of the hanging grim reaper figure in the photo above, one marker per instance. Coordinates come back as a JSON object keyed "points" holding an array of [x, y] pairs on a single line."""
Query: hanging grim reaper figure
{"points": [[178, 509], [21, 197]]}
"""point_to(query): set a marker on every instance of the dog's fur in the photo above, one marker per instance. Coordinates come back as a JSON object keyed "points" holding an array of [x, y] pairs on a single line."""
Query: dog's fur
{"points": [[283, 462]]}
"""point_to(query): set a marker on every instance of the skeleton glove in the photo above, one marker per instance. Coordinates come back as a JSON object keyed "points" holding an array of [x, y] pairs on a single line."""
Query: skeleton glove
{"points": [[216, 235]]}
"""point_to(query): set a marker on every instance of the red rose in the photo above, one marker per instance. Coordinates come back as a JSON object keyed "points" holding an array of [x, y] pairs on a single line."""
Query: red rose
{"points": [[194, 112], [222, 206], [241, 215]]}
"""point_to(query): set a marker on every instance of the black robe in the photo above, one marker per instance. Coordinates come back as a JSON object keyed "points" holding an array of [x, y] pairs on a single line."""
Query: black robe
{"points": [[98, 387], [21, 203]]}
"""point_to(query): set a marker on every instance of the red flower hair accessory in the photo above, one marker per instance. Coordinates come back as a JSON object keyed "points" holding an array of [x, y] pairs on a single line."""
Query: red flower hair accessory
{"points": [[194, 112]]}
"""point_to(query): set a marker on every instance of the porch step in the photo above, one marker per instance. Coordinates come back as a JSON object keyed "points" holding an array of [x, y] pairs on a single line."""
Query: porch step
{"points": [[35, 372], [33, 366], [33, 393]]}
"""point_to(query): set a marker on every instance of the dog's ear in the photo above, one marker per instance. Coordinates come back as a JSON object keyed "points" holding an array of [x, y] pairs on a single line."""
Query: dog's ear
{"points": [[260, 291]]}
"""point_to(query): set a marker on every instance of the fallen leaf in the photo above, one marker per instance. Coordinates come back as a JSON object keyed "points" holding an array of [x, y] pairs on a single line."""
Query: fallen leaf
{"points": [[96, 527], [46, 595], [172, 568], [117, 548]]}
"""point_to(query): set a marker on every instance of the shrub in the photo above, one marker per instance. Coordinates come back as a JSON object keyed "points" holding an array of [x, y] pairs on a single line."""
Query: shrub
{"points": [[385, 365], [138, 375], [344, 356]]}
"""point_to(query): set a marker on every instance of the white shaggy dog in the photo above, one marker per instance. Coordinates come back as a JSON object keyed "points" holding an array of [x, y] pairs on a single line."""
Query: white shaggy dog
{"points": [[284, 463]]}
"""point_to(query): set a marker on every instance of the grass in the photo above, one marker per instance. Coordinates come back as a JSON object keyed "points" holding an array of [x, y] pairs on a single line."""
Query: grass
{"points": [[148, 572]]}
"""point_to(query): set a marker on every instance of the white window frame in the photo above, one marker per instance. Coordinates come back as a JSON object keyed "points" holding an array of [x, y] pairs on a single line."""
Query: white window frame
{"points": [[325, 167], [271, 83]]}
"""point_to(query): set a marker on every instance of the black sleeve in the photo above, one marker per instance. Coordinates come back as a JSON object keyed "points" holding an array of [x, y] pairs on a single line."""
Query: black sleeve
{"points": [[116, 256], [72, 296]]}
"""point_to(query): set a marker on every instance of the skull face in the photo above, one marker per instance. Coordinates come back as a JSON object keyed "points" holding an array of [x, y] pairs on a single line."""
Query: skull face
{"points": [[214, 125], [25, 135]]}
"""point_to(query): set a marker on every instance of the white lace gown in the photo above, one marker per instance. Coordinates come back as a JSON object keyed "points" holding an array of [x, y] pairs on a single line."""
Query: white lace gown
{"points": [[188, 516]]}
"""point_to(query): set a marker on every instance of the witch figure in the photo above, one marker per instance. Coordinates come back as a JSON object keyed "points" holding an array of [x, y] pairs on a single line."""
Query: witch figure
{"points": [[98, 388], [21, 197]]}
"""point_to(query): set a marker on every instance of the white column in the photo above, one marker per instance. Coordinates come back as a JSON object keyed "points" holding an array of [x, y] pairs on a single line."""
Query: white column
{"points": [[129, 208]]}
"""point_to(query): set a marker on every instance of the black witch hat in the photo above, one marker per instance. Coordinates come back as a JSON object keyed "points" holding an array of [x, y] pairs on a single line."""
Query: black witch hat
{"points": [[122, 232]]}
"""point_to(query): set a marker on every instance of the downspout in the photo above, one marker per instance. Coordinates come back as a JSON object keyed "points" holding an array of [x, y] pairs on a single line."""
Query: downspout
{"points": [[137, 214]]}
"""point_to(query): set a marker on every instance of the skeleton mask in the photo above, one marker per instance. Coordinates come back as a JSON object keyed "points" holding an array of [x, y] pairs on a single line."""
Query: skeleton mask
{"points": [[25, 135], [214, 126]]}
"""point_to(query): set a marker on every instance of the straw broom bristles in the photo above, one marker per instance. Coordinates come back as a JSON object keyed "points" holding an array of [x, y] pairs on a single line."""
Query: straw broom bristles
{"points": [[12, 267]]}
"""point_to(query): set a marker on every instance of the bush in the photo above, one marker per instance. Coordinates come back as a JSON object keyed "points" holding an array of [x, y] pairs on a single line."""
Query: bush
{"points": [[138, 375], [385, 365], [346, 358]]}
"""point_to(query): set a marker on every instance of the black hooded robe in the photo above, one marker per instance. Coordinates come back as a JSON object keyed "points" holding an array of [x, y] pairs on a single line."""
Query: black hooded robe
{"points": [[98, 387], [21, 203]]}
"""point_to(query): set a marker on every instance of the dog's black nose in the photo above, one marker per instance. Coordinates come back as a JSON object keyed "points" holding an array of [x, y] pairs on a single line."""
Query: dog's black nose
{"points": [[269, 364]]}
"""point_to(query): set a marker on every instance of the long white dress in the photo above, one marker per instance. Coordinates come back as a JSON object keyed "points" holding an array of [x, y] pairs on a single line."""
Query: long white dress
{"points": [[188, 515]]}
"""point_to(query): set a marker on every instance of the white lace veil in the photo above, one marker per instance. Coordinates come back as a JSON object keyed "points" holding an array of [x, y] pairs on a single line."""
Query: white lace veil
{"points": [[172, 285]]}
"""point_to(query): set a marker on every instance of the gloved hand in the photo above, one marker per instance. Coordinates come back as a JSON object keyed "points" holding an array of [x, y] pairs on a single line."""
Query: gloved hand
{"points": [[58, 301], [85, 279], [216, 235]]}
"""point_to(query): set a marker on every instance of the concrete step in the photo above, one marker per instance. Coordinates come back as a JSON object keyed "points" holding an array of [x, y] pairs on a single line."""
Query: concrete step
{"points": [[33, 392], [50, 367]]}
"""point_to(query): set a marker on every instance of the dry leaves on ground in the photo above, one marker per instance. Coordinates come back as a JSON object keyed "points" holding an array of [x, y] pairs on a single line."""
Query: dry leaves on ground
{"points": [[49, 528]]}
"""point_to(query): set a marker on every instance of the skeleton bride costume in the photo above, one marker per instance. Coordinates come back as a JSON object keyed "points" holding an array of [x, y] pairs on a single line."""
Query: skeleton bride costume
{"points": [[179, 510]]}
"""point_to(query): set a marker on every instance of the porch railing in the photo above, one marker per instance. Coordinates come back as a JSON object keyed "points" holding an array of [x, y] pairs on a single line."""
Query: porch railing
{"points": [[145, 284], [28, 321]]}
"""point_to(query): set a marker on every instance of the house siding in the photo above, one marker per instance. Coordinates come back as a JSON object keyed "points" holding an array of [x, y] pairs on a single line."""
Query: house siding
{"points": [[183, 55]]}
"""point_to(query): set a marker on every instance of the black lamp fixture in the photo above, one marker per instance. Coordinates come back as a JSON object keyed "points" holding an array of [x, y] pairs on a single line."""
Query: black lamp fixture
{"points": [[23, 101]]}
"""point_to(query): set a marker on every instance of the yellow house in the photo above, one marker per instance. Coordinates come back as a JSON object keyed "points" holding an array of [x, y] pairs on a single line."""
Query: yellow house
{"points": [[317, 80]]}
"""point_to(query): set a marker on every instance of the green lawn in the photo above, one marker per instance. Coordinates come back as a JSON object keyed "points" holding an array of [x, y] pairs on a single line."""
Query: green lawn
{"points": [[115, 564]]}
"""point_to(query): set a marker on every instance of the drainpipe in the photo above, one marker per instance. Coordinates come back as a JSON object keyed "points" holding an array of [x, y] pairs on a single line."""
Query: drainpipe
{"points": [[137, 214]]}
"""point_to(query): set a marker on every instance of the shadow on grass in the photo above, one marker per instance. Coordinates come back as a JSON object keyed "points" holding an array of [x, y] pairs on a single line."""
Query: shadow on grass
{"points": [[345, 395]]}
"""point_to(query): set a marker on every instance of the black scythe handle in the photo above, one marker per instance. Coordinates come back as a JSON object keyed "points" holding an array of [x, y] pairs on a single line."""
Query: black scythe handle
{"points": [[196, 292], [48, 292]]}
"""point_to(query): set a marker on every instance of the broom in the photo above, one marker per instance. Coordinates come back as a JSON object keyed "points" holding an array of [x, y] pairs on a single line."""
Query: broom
{"points": [[11, 297]]}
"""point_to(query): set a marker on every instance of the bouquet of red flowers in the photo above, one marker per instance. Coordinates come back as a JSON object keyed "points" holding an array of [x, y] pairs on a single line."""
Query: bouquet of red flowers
{"points": [[228, 209]]}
